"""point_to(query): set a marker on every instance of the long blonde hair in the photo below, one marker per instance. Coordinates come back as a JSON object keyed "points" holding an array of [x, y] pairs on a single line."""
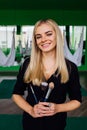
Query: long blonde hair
{"points": [[34, 70]]}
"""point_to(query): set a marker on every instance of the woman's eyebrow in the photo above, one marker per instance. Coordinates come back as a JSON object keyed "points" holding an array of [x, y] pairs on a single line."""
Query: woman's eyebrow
{"points": [[37, 34], [45, 32], [48, 31]]}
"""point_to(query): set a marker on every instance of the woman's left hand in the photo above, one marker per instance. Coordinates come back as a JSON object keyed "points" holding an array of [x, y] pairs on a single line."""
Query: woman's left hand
{"points": [[47, 109]]}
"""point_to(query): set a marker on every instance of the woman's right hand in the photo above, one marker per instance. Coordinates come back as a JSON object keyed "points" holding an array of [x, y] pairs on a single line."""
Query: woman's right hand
{"points": [[41, 110], [35, 111]]}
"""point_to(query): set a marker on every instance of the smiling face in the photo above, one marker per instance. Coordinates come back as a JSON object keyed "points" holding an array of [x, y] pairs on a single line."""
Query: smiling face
{"points": [[45, 37]]}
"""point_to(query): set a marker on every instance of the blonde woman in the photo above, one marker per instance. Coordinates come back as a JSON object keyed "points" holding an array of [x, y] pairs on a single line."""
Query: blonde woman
{"points": [[49, 78]]}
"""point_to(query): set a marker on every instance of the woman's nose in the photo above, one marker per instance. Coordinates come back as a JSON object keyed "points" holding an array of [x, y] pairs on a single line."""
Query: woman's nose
{"points": [[43, 38]]}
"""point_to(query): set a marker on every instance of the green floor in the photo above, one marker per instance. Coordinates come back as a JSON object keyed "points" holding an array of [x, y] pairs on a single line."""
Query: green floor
{"points": [[13, 122]]}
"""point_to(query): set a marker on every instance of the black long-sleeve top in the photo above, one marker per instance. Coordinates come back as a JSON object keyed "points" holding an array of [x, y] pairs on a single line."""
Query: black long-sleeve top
{"points": [[58, 95]]}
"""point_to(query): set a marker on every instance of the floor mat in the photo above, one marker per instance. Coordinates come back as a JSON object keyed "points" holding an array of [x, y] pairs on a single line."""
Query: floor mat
{"points": [[6, 88], [14, 122], [10, 122], [84, 92], [76, 123]]}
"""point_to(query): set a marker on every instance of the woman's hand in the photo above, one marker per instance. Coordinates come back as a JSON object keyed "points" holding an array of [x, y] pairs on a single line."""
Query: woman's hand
{"points": [[44, 109]]}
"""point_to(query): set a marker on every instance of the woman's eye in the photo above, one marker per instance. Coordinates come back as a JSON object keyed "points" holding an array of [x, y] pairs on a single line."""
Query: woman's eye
{"points": [[49, 34], [38, 37]]}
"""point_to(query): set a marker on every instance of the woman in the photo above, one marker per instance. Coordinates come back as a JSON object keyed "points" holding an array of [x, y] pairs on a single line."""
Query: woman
{"points": [[47, 65]]}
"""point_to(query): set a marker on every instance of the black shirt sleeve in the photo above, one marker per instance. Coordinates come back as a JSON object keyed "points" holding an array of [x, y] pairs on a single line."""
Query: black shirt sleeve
{"points": [[20, 86], [74, 87]]}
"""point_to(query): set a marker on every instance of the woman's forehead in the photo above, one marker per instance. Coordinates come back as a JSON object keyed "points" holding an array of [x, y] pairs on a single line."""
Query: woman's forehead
{"points": [[44, 28]]}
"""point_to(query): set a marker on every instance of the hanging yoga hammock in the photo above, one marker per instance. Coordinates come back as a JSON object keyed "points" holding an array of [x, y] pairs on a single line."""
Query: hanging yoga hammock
{"points": [[77, 56], [10, 58]]}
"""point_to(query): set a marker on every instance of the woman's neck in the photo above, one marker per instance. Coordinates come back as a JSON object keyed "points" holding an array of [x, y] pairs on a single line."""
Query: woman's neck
{"points": [[48, 64], [48, 57]]}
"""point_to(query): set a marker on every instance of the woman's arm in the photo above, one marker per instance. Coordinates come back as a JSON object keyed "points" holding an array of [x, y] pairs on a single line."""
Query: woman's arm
{"points": [[57, 108], [22, 103], [68, 106]]}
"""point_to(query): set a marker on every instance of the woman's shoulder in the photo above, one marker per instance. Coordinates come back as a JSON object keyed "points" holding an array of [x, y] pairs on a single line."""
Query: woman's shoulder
{"points": [[71, 65], [25, 62], [68, 62]]}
